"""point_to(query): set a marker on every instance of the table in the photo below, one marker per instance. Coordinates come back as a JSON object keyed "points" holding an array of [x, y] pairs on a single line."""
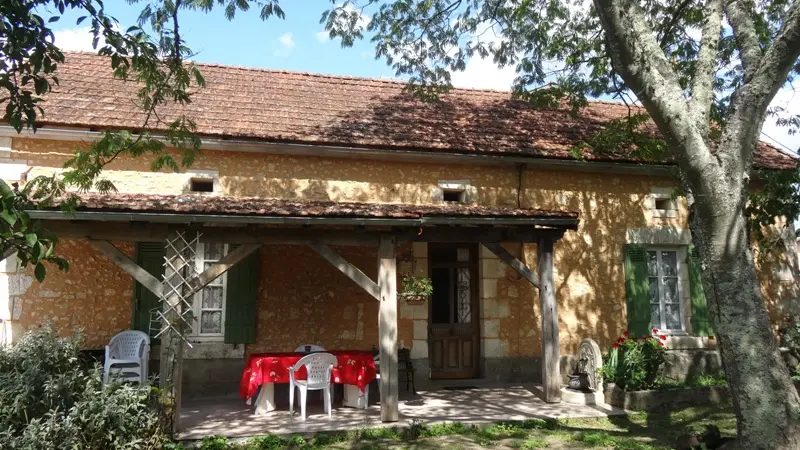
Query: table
{"points": [[355, 368]]}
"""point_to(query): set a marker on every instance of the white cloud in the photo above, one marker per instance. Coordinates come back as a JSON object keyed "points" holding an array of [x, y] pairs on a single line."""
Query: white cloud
{"points": [[74, 39], [483, 73], [322, 36], [286, 40]]}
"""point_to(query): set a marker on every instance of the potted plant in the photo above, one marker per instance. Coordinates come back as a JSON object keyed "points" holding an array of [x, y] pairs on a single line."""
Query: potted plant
{"points": [[416, 289]]}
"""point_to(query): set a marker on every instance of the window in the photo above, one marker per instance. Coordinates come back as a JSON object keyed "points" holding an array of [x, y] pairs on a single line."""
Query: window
{"points": [[209, 304], [662, 203], [454, 191], [665, 289]]}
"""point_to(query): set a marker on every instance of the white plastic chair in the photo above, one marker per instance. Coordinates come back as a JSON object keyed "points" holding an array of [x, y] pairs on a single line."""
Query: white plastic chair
{"points": [[319, 367], [308, 348], [127, 355]]}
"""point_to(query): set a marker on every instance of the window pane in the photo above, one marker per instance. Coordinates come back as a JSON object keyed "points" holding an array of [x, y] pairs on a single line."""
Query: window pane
{"points": [[669, 264], [464, 297], [211, 322], [655, 316], [654, 290], [462, 254], [652, 263], [673, 316], [671, 290], [213, 251], [217, 281], [212, 297]]}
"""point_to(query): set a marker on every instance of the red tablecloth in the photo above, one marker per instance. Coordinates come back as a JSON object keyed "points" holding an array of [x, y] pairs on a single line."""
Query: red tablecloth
{"points": [[355, 367]]}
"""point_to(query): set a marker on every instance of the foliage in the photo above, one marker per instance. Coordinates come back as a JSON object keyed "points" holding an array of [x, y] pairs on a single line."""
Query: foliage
{"points": [[416, 286], [633, 362], [20, 234], [50, 399]]}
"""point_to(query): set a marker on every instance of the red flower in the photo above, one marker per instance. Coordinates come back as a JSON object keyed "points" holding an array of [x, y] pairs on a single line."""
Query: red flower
{"points": [[662, 337], [661, 344], [655, 330], [626, 332], [615, 345]]}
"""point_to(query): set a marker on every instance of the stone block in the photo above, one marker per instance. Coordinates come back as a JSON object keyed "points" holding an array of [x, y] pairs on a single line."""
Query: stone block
{"points": [[419, 349], [489, 308], [493, 348], [488, 287], [492, 268], [486, 253], [420, 329], [421, 267], [490, 328], [420, 249], [502, 309]]}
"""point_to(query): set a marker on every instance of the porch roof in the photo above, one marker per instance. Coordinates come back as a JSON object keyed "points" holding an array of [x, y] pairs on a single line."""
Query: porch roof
{"points": [[197, 208]]}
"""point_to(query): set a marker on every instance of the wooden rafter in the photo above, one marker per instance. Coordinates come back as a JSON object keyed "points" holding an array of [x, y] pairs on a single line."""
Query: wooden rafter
{"points": [[220, 267], [515, 263], [352, 272], [128, 265]]}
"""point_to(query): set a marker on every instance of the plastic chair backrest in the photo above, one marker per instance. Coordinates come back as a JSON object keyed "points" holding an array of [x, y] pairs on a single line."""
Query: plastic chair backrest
{"points": [[318, 369], [128, 344], [308, 348]]}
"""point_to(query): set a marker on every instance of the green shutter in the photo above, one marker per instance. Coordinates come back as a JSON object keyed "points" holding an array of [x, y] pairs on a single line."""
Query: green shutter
{"points": [[150, 257], [637, 290], [701, 325], [241, 301]]}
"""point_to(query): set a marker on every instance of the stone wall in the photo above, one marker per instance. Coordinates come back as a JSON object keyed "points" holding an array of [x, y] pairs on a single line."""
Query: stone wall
{"points": [[303, 299]]}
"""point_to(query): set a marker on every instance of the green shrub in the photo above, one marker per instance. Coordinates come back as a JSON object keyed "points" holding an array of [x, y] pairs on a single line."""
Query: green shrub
{"points": [[49, 399], [633, 362]]}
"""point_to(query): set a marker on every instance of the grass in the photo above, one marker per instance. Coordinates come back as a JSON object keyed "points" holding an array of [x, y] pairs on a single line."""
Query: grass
{"points": [[705, 380], [657, 430]]}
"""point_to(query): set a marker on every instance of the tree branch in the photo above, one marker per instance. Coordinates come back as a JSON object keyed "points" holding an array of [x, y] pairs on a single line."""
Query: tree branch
{"points": [[752, 98], [636, 56], [703, 82], [676, 16], [744, 31]]}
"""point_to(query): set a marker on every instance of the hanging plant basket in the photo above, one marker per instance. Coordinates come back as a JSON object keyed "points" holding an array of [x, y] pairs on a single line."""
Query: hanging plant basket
{"points": [[415, 290], [413, 298]]}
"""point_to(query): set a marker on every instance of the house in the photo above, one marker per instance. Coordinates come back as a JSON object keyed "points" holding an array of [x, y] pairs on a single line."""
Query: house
{"points": [[312, 170]]}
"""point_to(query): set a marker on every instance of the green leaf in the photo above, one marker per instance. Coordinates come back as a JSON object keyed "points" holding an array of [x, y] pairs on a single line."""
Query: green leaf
{"points": [[11, 219], [40, 272], [31, 239]]}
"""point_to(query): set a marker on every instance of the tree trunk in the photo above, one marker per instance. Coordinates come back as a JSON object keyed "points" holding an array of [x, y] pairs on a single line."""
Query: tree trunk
{"points": [[765, 401]]}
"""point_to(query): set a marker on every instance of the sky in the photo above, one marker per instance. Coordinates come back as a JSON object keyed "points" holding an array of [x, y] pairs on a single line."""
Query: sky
{"points": [[299, 43]]}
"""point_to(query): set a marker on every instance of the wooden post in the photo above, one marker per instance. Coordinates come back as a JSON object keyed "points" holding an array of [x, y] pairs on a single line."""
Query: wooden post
{"points": [[171, 362], [387, 328], [551, 376]]}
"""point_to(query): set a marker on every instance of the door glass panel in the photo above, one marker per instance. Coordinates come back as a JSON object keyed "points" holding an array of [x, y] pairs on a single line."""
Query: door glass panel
{"points": [[653, 290], [671, 290], [440, 299], [212, 297], [463, 296], [655, 316], [213, 251]]}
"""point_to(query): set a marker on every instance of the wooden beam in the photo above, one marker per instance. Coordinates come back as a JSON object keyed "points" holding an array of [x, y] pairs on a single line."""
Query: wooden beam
{"points": [[128, 265], [220, 267], [387, 329], [509, 259], [352, 272], [153, 232], [551, 376]]}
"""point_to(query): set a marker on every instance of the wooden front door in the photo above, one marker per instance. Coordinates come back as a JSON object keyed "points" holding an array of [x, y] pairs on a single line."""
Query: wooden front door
{"points": [[453, 332]]}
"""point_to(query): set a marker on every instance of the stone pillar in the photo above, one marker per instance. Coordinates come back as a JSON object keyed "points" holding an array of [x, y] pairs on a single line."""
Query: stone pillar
{"points": [[13, 284], [493, 309]]}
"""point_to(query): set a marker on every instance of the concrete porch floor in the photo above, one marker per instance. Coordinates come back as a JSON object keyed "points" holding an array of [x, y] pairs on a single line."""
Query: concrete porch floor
{"points": [[231, 417]]}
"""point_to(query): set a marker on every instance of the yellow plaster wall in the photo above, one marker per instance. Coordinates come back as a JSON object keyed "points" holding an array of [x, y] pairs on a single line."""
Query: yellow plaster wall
{"points": [[305, 300]]}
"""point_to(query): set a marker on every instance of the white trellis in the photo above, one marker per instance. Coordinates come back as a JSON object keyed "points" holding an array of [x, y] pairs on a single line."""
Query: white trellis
{"points": [[178, 286]]}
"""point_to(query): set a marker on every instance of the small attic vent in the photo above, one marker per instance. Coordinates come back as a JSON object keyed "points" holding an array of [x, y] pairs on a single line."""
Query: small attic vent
{"points": [[202, 185], [452, 196]]}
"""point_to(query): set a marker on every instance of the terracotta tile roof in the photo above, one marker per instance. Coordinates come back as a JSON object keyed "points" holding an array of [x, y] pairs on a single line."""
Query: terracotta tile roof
{"points": [[236, 206], [279, 106]]}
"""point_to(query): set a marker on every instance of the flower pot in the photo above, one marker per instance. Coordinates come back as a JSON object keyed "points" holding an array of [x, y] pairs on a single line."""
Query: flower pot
{"points": [[413, 299], [578, 381]]}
